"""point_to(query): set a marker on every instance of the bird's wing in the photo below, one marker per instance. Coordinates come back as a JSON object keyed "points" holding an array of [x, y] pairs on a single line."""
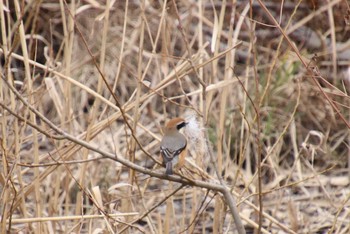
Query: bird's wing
{"points": [[169, 154], [172, 146]]}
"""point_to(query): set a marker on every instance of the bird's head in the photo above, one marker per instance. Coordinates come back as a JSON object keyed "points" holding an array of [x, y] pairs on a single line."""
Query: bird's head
{"points": [[175, 124]]}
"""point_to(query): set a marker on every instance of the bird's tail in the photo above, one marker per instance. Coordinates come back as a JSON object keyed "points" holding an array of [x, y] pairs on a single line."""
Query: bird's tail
{"points": [[169, 168]]}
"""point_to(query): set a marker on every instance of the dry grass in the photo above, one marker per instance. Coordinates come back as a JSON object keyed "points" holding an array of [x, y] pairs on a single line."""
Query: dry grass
{"points": [[86, 87]]}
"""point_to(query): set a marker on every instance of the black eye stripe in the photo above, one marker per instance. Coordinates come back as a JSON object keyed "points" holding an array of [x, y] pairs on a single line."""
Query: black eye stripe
{"points": [[181, 125]]}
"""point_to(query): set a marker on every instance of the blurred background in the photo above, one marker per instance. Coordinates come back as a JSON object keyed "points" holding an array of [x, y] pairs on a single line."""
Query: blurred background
{"points": [[267, 83]]}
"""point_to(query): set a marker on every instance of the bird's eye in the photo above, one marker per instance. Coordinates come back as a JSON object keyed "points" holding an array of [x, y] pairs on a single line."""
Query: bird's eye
{"points": [[181, 125]]}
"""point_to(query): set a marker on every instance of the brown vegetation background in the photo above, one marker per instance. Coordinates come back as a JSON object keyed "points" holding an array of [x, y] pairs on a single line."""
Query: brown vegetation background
{"points": [[86, 87]]}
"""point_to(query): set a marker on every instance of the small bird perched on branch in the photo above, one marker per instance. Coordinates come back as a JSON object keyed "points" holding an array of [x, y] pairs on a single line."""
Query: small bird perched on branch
{"points": [[173, 145]]}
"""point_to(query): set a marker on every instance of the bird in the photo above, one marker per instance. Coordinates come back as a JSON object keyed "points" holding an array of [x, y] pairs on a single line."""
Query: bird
{"points": [[173, 146]]}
